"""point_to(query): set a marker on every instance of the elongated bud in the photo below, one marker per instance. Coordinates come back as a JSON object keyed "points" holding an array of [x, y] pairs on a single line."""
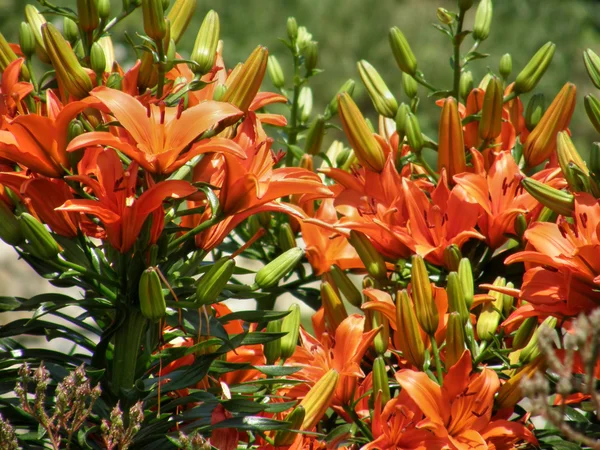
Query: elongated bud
{"points": [[402, 52], [245, 85], [572, 165], [292, 28], [155, 25], [346, 287], [532, 350], [10, 230], [97, 59], [275, 72], [524, 333], [286, 239], [456, 297], [41, 243], [361, 139], [103, 9], [465, 275], [410, 86], [381, 96], [381, 339], [541, 143], [444, 16], [70, 30], [318, 399], [87, 12], [505, 68], [270, 274], [381, 383], [335, 312], [26, 39], [592, 65], [490, 125], [214, 281], [272, 349], [304, 38], [489, 318], [452, 256], [401, 119], [7, 55], [465, 5], [311, 56], [291, 326], [425, 307], [483, 20], [152, 299], [455, 339], [204, 53], [413, 133], [592, 109], [69, 72], [347, 87], [294, 419], [451, 146], [560, 202], [36, 20], [508, 300], [465, 85], [314, 136], [533, 72], [510, 393], [409, 339], [305, 103], [180, 16], [520, 225], [373, 261], [535, 111]]}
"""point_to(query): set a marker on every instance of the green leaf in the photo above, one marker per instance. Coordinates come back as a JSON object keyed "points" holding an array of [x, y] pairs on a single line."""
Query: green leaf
{"points": [[254, 316], [251, 423], [277, 371], [261, 338]]}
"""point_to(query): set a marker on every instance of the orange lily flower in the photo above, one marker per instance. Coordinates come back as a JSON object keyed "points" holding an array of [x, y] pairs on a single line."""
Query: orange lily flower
{"points": [[13, 90], [157, 135], [461, 410], [117, 207]]}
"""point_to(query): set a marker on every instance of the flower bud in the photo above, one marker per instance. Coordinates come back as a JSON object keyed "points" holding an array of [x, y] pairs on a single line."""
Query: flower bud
{"points": [[272, 349], [104, 9], [425, 307], [444, 16], [304, 38], [305, 103], [532, 73], [314, 136], [70, 30], [243, 86], [409, 338], [592, 109], [204, 53], [36, 20], [26, 39], [155, 25], [10, 230], [335, 312], [413, 133], [361, 139], [572, 165], [347, 87], [456, 297], [275, 72], [152, 299], [490, 125], [483, 20], [489, 318], [452, 256], [409, 85], [401, 119], [292, 28], [40, 241], [465, 5], [381, 383], [524, 333], [269, 275], [560, 202], [87, 12], [402, 53], [541, 143], [508, 300], [74, 129], [370, 257], [214, 281], [294, 419], [311, 56], [346, 286], [318, 399], [455, 339], [465, 85], [7, 55], [114, 81], [291, 326], [381, 96], [535, 111], [532, 350], [510, 393], [592, 65], [381, 339], [465, 275], [451, 146], [505, 67], [97, 59], [180, 16], [286, 239], [520, 225]]}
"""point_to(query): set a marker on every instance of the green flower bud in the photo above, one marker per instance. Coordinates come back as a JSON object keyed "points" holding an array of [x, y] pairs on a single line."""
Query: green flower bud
{"points": [[334, 309], [490, 125], [275, 72], [152, 299], [347, 87], [402, 53], [592, 65], [7, 55], [425, 307], [455, 339], [452, 257], [311, 56], [97, 59], [292, 28], [532, 73], [408, 338], [381, 339], [40, 241], [205, 47], [269, 275], [413, 133], [10, 230], [287, 240], [532, 349], [155, 25], [465, 275], [272, 349], [524, 333], [36, 20], [489, 318], [592, 109], [180, 16], [87, 12], [382, 98], [114, 81], [371, 258], [213, 282], [294, 419], [520, 225], [507, 301], [314, 136], [346, 286], [465, 5], [572, 165], [409, 85], [560, 202], [305, 103], [536, 107], [171, 55], [483, 20], [166, 4], [26, 39], [381, 383], [70, 30], [219, 92], [456, 297], [401, 119], [505, 68], [290, 325], [444, 16], [304, 38], [595, 158], [465, 85], [103, 9], [74, 129]]}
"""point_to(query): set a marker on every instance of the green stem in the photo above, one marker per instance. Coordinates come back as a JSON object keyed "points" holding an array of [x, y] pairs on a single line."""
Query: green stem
{"points": [[127, 345], [423, 82], [359, 423], [194, 231], [510, 97], [426, 166], [456, 62], [293, 134], [438, 363], [161, 69], [88, 273], [482, 353]]}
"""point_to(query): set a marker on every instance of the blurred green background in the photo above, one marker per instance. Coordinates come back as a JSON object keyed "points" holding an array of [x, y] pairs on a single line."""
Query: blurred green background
{"points": [[350, 30]]}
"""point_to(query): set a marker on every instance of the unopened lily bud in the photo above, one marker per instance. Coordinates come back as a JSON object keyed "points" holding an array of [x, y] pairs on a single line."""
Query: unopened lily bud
{"points": [[275, 72], [536, 107], [219, 92], [318, 399], [490, 125], [592, 109], [541, 143], [370, 257], [97, 59], [314, 136], [335, 312], [532, 73], [483, 20], [520, 225], [152, 299], [69, 72], [87, 12], [304, 38], [592, 65], [381, 383], [70, 30], [74, 129], [455, 339], [560, 202], [306, 162], [346, 286], [401, 119], [294, 420], [36, 20], [180, 16], [510, 393], [7, 55], [456, 297], [508, 300], [505, 68], [425, 307], [595, 158], [524, 333], [292, 28], [41, 243], [361, 139], [465, 5], [413, 133], [26, 39], [103, 9], [155, 25], [381, 96], [489, 318], [291, 326], [465, 85], [402, 52], [286, 237], [272, 349], [311, 56], [244, 86], [444, 16], [204, 53], [465, 275], [214, 281], [109, 51], [451, 146], [409, 85], [114, 81], [409, 338], [452, 257], [269, 275], [347, 87], [305, 103], [10, 230], [532, 350], [381, 339], [572, 165]]}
